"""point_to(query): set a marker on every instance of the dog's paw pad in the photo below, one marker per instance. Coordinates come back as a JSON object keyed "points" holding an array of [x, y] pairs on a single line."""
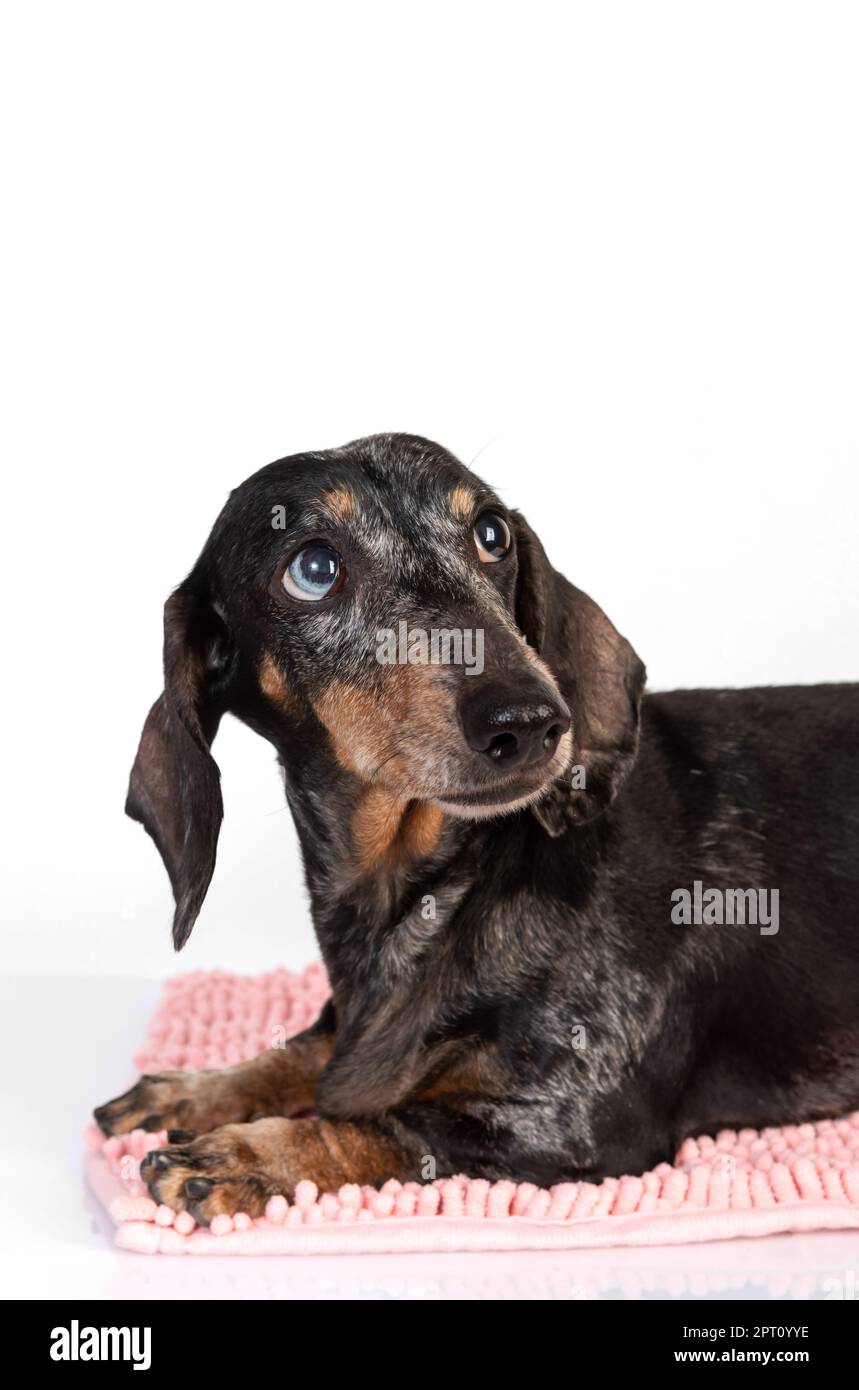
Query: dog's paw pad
{"points": [[235, 1168]]}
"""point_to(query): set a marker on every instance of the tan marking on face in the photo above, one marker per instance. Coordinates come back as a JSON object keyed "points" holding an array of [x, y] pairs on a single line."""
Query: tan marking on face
{"points": [[389, 832], [340, 503], [353, 720], [371, 730], [422, 829], [462, 502], [375, 825], [275, 687]]}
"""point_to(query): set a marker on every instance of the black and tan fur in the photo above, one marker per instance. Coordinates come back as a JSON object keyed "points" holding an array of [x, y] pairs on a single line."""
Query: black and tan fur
{"points": [[450, 1036]]}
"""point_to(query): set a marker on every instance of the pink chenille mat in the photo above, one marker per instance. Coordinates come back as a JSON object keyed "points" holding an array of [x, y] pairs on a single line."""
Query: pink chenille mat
{"points": [[796, 1178]]}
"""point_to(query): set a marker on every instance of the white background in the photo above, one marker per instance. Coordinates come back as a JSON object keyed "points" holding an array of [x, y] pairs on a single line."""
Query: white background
{"points": [[612, 248]]}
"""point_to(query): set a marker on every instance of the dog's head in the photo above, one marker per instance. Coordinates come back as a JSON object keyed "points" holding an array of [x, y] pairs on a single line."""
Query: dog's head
{"points": [[380, 602]]}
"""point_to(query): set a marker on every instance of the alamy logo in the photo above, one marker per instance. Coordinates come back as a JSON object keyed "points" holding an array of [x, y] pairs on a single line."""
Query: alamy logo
{"points": [[440, 646], [717, 907], [78, 1343], [847, 1287]]}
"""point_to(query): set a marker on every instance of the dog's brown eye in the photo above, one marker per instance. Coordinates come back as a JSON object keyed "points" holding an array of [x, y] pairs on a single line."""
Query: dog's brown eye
{"points": [[492, 537], [315, 572]]}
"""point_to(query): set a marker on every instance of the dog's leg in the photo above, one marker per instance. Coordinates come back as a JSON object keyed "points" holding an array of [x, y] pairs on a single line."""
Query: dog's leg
{"points": [[280, 1081], [238, 1167]]}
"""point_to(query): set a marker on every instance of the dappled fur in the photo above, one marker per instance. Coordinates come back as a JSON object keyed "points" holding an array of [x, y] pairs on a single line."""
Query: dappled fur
{"points": [[451, 1036]]}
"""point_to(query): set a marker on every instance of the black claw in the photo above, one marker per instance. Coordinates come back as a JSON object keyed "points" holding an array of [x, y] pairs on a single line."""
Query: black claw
{"points": [[181, 1136], [106, 1116], [198, 1187]]}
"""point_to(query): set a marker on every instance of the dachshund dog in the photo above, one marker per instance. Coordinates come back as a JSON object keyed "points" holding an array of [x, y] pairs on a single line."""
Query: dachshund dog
{"points": [[496, 859]]}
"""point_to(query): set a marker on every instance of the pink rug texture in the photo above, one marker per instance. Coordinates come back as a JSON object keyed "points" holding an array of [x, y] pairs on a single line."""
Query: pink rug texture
{"points": [[752, 1183]]}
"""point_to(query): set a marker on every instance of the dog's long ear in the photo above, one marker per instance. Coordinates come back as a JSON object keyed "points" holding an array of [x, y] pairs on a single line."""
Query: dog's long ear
{"points": [[175, 789], [597, 670]]}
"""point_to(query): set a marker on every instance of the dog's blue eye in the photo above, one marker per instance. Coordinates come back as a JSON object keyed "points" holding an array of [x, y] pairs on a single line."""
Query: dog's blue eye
{"points": [[492, 537], [315, 572]]}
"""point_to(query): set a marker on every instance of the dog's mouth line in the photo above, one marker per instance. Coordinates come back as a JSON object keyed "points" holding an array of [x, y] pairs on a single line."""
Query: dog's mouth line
{"points": [[491, 796], [510, 789], [521, 787], [517, 789], [470, 806]]}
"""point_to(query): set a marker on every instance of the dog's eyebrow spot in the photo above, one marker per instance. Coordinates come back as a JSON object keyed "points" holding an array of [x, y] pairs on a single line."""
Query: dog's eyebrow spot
{"points": [[462, 502], [339, 503], [274, 685]]}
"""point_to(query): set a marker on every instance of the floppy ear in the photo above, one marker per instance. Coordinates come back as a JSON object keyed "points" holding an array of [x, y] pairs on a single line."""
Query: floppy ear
{"points": [[598, 672], [175, 787]]}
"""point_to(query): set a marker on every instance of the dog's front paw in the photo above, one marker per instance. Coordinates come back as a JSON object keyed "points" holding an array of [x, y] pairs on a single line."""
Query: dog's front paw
{"points": [[175, 1100], [235, 1168]]}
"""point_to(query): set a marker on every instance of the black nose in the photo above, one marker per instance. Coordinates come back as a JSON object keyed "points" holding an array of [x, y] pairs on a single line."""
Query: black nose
{"points": [[513, 727]]}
